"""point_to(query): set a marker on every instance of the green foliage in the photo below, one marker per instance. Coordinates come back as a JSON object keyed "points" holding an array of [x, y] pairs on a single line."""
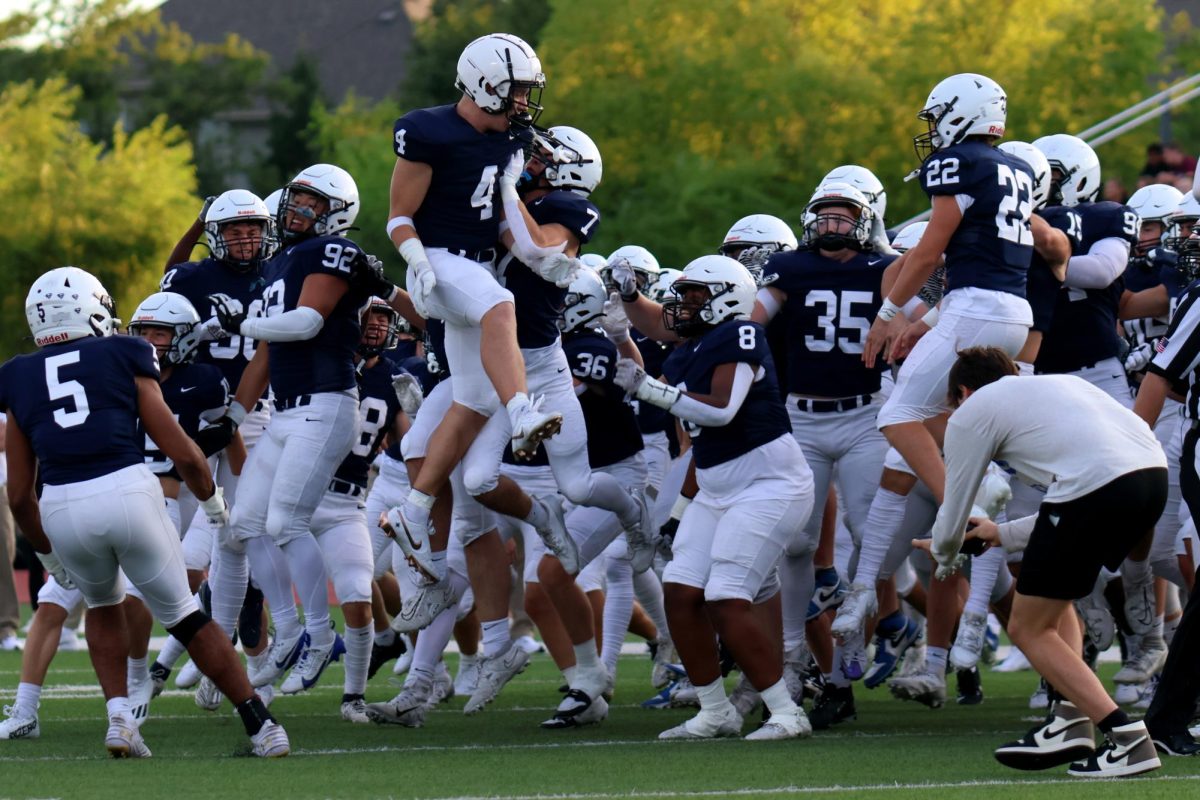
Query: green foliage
{"points": [[115, 210], [295, 101]]}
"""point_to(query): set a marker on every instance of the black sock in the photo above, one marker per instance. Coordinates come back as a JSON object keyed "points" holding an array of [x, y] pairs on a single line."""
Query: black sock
{"points": [[254, 715], [1114, 720], [350, 698], [1052, 694]]}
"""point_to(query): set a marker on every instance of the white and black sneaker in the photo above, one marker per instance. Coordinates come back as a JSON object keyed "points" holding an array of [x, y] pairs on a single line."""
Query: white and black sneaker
{"points": [[577, 709], [1127, 750], [19, 724], [1067, 735]]}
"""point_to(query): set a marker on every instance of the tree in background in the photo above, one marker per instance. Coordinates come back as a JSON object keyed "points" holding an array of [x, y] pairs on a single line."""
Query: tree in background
{"points": [[113, 209], [296, 100]]}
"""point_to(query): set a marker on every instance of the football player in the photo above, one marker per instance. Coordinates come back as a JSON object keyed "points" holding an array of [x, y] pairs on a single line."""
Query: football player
{"points": [[72, 424]]}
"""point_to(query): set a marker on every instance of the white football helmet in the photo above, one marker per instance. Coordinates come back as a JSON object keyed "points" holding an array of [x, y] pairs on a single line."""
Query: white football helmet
{"points": [[908, 236], [1038, 165], [960, 106], [731, 295], [644, 264], [238, 205], [373, 342], [1156, 202], [835, 231], [865, 181], [68, 303], [493, 66], [594, 261], [754, 239], [1078, 167], [272, 202], [660, 290], [573, 161], [328, 181], [584, 301], [173, 311], [1181, 222]]}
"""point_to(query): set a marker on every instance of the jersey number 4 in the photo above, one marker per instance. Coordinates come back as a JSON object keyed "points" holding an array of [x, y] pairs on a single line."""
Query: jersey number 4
{"points": [[61, 390], [481, 198], [839, 318]]}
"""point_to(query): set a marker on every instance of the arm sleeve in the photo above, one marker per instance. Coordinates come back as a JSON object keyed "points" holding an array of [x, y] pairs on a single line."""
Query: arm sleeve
{"points": [[766, 298], [968, 452], [1014, 535], [1101, 265], [291, 326], [707, 416]]}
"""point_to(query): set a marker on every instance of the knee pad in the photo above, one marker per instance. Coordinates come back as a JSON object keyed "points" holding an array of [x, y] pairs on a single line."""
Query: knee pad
{"points": [[186, 629], [481, 479]]}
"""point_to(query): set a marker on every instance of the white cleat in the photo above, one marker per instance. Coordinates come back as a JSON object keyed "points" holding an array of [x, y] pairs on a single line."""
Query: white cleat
{"points": [[140, 694], [745, 697], [271, 741], [443, 686], [18, 726], [494, 674], [1143, 664], [404, 661], [664, 656], [860, 603], [421, 607], [311, 665], [639, 538], [355, 711], [1015, 661], [576, 710], [555, 536], [406, 708], [208, 696], [124, 740], [281, 656], [531, 426], [793, 725], [413, 539], [924, 687], [968, 644], [467, 676], [189, 676], [708, 724]]}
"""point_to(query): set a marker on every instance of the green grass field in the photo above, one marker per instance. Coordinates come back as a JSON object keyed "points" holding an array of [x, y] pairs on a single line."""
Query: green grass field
{"points": [[894, 750]]}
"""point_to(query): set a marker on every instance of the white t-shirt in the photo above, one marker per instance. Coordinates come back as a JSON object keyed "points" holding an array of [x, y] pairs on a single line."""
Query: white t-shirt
{"points": [[1057, 431]]}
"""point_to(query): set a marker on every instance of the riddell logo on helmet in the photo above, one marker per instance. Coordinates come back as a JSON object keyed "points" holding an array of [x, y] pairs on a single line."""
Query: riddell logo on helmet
{"points": [[53, 338], [996, 130]]}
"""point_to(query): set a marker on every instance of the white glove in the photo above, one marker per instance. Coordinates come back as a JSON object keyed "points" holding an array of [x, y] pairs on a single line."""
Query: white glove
{"points": [[54, 567], [559, 268], [625, 279], [209, 331], [216, 509], [633, 379], [1139, 357], [512, 171], [615, 322], [421, 282], [408, 392], [878, 240]]}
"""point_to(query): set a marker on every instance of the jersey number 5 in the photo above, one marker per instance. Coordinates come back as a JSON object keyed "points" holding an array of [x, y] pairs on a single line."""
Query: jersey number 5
{"points": [[60, 390]]}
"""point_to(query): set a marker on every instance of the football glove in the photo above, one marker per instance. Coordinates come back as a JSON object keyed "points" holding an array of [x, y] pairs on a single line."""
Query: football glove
{"points": [[623, 276], [615, 322], [366, 273], [216, 437], [230, 313], [55, 567], [408, 392], [1139, 357]]}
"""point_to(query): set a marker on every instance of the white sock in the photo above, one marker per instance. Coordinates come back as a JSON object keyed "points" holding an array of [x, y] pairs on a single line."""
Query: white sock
{"points": [[29, 698], [136, 670], [798, 582], [985, 569], [417, 507], [358, 658], [585, 655], [307, 565], [569, 674], [647, 587], [516, 405], [496, 640], [118, 707], [935, 660], [274, 578], [618, 608], [227, 578], [883, 523], [170, 654], [257, 661], [385, 637], [712, 695], [433, 640], [438, 557], [778, 699]]}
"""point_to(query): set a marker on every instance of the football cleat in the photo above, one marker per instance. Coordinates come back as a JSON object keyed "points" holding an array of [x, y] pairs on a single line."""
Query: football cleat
{"points": [[1015, 661], [969, 687], [1127, 750], [311, 665], [1176, 744], [17, 726], [188, 676], [467, 675], [355, 710], [271, 741], [576, 710], [889, 649], [923, 687], [991, 640], [1126, 694], [443, 686], [413, 539], [829, 592], [1041, 696], [790, 725], [123, 740], [1067, 735], [405, 661], [833, 705], [421, 607], [555, 536], [494, 674], [1098, 621], [208, 696], [1145, 663], [854, 655], [639, 537], [860, 602], [683, 694], [665, 659], [158, 678], [1149, 689], [968, 644], [140, 694], [531, 426], [281, 656], [400, 710], [710, 723], [381, 654], [745, 697]]}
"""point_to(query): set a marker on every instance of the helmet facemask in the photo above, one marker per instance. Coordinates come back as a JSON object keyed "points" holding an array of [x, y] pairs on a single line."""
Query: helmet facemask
{"points": [[1189, 258], [828, 229], [928, 143], [686, 317], [232, 249], [379, 337], [321, 222]]}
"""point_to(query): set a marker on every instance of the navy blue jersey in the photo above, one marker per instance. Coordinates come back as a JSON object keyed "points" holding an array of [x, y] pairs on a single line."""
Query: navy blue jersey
{"points": [[652, 419], [828, 313], [418, 366], [1042, 286], [612, 429], [324, 363], [196, 394], [77, 404], [1147, 329], [196, 281], [404, 350], [377, 410], [539, 303], [761, 419], [462, 208], [1084, 329], [992, 245], [435, 349]]}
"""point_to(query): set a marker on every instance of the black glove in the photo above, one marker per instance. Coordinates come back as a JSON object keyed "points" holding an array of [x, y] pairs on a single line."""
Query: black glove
{"points": [[366, 273], [216, 437], [666, 538], [208, 201], [229, 312]]}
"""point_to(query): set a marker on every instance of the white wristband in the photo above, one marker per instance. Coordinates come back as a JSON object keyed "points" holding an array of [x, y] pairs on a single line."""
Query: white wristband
{"points": [[399, 222], [215, 504], [681, 503], [931, 317], [889, 310], [236, 412]]}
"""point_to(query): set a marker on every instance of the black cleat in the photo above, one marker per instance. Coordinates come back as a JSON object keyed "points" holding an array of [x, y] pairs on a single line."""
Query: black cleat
{"points": [[1176, 744], [834, 705], [381, 654], [250, 618], [970, 687]]}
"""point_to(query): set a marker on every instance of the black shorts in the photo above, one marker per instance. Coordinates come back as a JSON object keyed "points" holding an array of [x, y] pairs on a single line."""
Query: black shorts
{"points": [[1071, 541]]}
